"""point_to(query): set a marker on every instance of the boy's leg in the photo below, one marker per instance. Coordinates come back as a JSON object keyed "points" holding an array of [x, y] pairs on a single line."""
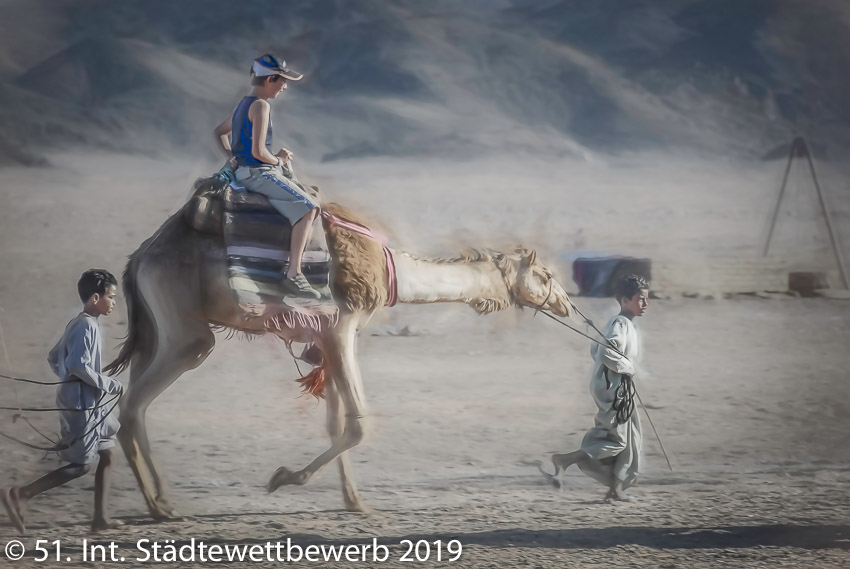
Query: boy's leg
{"points": [[294, 204], [15, 499], [564, 461], [56, 478], [300, 236], [296, 283], [102, 483]]}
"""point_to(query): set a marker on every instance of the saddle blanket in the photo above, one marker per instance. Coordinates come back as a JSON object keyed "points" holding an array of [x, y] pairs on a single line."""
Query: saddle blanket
{"points": [[256, 239]]}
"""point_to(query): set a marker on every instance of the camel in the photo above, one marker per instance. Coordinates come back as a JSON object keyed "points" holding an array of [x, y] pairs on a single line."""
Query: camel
{"points": [[177, 293]]}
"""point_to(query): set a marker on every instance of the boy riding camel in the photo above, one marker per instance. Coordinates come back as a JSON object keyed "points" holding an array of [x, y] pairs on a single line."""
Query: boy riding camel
{"points": [[250, 144]]}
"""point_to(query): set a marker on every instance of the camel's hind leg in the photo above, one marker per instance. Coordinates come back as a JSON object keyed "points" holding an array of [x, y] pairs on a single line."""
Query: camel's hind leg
{"points": [[180, 342]]}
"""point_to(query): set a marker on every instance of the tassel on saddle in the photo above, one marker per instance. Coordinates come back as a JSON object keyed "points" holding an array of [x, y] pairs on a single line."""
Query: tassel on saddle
{"points": [[314, 383]]}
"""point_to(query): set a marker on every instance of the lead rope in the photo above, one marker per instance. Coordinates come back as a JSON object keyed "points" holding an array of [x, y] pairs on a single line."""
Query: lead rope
{"points": [[624, 397], [57, 445]]}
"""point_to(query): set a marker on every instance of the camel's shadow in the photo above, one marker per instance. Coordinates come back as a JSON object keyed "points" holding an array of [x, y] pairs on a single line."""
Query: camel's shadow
{"points": [[726, 537]]}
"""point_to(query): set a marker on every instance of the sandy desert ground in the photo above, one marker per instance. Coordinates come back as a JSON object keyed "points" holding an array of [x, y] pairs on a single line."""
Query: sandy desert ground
{"points": [[750, 395]]}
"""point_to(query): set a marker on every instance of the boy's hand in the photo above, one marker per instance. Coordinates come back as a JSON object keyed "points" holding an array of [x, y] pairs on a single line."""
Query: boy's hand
{"points": [[285, 155]]}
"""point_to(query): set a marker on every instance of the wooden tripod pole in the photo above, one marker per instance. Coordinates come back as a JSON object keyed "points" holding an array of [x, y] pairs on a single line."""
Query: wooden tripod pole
{"points": [[800, 148], [794, 148], [835, 247], [3, 345]]}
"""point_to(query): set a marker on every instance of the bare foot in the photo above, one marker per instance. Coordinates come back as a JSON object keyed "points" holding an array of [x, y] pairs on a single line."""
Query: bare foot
{"points": [[617, 495], [106, 524], [552, 479], [11, 502]]}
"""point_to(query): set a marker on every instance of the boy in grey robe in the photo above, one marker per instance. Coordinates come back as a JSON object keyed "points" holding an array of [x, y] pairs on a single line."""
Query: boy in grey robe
{"points": [[610, 452], [87, 426]]}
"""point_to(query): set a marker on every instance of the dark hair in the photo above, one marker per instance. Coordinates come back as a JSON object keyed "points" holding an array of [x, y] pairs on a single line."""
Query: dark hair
{"points": [[94, 281], [629, 286], [257, 80]]}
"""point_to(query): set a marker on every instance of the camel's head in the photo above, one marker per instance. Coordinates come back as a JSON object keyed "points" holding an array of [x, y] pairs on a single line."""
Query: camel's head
{"points": [[535, 285]]}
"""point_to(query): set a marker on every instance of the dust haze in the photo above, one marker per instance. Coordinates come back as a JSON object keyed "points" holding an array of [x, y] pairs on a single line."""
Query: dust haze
{"points": [[655, 129]]}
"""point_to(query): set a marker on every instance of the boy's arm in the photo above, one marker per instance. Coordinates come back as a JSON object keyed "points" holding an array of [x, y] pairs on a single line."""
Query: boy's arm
{"points": [[53, 357], [222, 139], [611, 359], [78, 362], [259, 115]]}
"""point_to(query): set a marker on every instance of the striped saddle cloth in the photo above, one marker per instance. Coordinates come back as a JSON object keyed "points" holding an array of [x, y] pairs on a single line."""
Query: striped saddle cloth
{"points": [[257, 238]]}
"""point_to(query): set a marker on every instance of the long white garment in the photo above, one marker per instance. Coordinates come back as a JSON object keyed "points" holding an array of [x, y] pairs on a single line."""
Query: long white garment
{"points": [[84, 422], [615, 449]]}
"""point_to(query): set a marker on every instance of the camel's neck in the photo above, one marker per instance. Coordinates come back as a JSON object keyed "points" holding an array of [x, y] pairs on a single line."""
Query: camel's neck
{"points": [[477, 283]]}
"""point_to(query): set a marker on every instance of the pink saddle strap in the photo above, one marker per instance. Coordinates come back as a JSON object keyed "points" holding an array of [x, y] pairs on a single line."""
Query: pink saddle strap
{"points": [[392, 283]]}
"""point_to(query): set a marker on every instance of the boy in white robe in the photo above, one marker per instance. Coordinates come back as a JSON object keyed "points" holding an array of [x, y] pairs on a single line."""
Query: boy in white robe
{"points": [[611, 451], [86, 397]]}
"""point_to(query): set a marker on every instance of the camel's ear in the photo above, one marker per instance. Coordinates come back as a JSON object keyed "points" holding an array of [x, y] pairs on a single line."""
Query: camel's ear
{"points": [[529, 260]]}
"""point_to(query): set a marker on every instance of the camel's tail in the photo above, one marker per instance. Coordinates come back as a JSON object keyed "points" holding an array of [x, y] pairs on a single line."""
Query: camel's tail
{"points": [[140, 326], [128, 346]]}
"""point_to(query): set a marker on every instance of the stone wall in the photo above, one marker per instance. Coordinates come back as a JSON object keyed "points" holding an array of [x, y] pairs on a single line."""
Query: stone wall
{"points": [[730, 275]]}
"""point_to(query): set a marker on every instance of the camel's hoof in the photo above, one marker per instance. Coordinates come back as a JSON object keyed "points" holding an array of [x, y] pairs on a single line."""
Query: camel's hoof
{"points": [[166, 515], [358, 507], [283, 477]]}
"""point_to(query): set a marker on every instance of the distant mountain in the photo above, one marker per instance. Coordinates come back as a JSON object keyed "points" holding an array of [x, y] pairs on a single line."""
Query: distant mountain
{"points": [[450, 79]]}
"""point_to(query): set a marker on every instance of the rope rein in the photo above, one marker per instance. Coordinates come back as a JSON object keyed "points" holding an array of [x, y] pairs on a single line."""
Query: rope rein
{"points": [[57, 445], [24, 380]]}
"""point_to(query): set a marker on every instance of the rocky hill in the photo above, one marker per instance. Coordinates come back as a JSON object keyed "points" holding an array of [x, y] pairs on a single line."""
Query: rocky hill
{"points": [[446, 79]]}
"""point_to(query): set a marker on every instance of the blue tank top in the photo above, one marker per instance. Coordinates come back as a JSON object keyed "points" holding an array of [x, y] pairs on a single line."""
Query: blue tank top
{"points": [[240, 137]]}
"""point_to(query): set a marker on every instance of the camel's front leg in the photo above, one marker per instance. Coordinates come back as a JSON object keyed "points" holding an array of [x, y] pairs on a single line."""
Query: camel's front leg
{"points": [[335, 424], [338, 349]]}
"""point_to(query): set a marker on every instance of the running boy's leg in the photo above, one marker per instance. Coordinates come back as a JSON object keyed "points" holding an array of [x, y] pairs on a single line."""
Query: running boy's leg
{"points": [[15, 499], [56, 478], [564, 461], [102, 483]]}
